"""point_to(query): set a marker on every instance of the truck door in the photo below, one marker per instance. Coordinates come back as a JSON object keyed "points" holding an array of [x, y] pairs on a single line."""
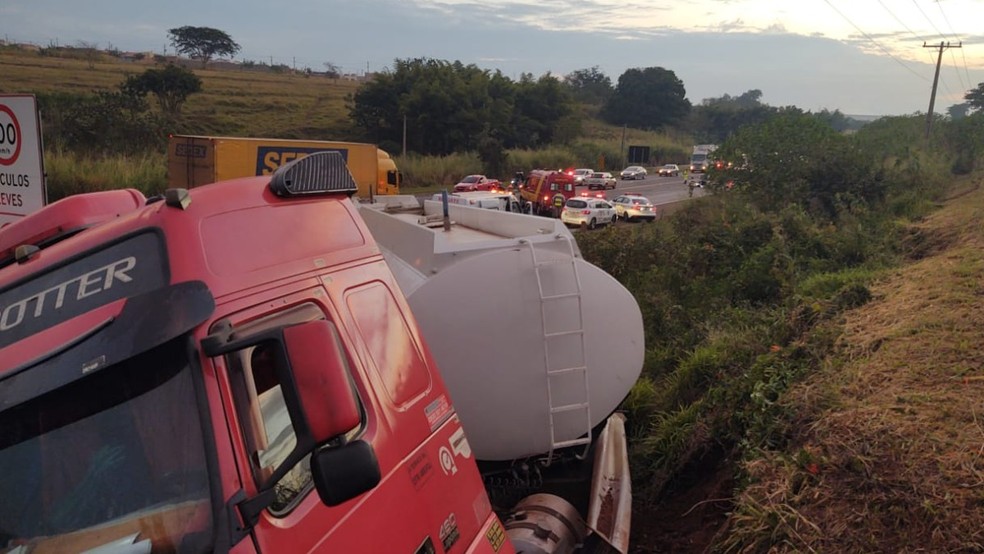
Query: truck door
{"points": [[392, 384]]}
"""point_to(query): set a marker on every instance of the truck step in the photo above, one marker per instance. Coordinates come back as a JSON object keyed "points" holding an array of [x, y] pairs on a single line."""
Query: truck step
{"points": [[569, 408], [573, 442], [564, 295], [555, 261], [564, 333], [565, 370]]}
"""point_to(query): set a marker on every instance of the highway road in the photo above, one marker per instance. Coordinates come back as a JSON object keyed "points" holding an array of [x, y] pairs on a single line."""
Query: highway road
{"points": [[659, 190]]}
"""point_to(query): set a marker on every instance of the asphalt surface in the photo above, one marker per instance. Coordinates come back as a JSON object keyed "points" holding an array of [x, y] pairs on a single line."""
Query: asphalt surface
{"points": [[659, 190]]}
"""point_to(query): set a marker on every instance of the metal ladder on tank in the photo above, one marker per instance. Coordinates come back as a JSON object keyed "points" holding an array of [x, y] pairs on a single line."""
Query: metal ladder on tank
{"points": [[553, 374]]}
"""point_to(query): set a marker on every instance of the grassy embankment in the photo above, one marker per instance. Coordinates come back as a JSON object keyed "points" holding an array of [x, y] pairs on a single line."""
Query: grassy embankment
{"points": [[811, 384], [885, 443], [268, 104]]}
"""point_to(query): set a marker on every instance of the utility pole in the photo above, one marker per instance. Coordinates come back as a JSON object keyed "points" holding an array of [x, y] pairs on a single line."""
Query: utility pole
{"points": [[621, 149], [936, 79]]}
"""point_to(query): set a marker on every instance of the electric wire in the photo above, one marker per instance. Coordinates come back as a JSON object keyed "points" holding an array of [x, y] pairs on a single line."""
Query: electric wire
{"points": [[970, 83], [917, 37], [876, 43]]}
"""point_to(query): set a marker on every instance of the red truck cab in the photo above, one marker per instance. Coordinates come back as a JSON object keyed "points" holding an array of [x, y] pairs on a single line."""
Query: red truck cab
{"points": [[232, 368]]}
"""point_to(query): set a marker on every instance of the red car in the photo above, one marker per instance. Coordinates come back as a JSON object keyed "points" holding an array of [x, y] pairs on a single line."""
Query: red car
{"points": [[477, 182]]}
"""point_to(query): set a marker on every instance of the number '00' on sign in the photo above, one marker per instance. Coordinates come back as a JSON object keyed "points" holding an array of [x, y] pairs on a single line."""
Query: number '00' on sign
{"points": [[9, 136]]}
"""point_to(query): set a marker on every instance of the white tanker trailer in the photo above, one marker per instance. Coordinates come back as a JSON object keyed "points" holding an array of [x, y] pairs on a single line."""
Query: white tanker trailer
{"points": [[536, 345]]}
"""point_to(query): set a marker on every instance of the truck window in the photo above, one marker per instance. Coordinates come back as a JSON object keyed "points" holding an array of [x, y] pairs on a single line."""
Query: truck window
{"points": [[116, 453], [393, 178], [393, 350], [266, 426]]}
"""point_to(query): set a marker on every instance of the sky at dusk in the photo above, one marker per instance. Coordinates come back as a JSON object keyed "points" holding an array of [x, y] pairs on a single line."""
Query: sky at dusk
{"points": [[864, 57]]}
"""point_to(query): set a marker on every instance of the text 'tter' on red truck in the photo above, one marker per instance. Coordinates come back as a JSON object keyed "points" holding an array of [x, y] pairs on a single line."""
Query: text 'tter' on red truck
{"points": [[235, 368]]}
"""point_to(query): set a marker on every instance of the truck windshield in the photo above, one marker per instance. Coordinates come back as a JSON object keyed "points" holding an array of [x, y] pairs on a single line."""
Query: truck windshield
{"points": [[114, 459]]}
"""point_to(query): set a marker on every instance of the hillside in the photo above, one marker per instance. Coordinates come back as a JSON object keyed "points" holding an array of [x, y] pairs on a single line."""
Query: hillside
{"points": [[233, 102], [886, 443]]}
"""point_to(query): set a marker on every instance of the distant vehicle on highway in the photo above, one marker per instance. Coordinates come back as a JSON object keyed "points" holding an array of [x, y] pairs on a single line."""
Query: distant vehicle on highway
{"points": [[600, 180], [669, 170], [580, 174], [634, 206], [634, 172], [472, 183]]}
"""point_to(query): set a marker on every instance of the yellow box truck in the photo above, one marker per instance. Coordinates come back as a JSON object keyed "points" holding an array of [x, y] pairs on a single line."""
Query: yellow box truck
{"points": [[199, 160]]}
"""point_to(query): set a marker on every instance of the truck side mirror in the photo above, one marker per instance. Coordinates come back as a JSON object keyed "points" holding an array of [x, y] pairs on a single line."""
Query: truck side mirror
{"points": [[344, 472], [321, 377]]}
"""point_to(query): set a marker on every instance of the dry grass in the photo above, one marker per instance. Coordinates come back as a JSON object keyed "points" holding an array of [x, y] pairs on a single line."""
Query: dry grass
{"points": [[247, 103], [889, 438]]}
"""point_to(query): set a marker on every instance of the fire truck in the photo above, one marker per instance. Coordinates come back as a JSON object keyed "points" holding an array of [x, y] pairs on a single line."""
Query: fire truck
{"points": [[241, 368], [546, 192]]}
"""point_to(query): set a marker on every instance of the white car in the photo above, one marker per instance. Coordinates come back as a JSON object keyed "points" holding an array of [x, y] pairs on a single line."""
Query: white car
{"points": [[634, 206], [634, 172], [580, 175], [600, 180], [587, 212], [669, 170]]}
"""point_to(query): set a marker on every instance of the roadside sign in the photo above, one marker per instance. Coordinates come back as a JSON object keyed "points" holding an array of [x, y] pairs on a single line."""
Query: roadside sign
{"points": [[22, 187]]}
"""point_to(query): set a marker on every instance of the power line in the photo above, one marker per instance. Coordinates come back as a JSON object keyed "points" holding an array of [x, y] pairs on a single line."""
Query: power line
{"points": [[902, 23], [953, 59], [876, 43], [928, 19], [914, 35], [970, 83]]}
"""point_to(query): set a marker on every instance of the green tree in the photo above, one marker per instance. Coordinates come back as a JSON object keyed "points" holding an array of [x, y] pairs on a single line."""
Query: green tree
{"points": [[647, 99], [589, 86], [101, 123], [202, 43], [798, 158], [716, 119], [449, 107], [541, 106], [975, 97], [958, 111], [170, 85]]}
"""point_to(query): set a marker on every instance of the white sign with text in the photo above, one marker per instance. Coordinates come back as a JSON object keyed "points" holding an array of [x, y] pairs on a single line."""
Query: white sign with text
{"points": [[22, 187]]}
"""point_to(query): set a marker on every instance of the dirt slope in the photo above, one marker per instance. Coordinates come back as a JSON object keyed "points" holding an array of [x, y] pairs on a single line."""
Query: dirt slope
{"points": [[888, 440]]}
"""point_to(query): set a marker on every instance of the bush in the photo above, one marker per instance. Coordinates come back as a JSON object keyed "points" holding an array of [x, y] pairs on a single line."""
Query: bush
{"points": [[104, 123]]}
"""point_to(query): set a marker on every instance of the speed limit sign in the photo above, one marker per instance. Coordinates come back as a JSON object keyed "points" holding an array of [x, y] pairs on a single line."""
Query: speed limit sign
{"points": [[22, 186]]}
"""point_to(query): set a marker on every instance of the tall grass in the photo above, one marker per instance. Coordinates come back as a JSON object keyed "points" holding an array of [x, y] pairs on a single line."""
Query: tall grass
{"points": [[69, 173]]}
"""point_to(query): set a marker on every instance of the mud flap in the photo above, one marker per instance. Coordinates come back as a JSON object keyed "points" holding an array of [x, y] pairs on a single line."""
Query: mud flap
{"points": [[610, 504]]}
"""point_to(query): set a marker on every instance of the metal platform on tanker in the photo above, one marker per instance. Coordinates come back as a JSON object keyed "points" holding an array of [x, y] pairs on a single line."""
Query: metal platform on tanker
{"points": [[469, 227]]}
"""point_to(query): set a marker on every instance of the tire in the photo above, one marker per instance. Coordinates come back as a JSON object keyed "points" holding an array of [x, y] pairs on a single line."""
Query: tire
{"points": [[592, 224], [614, 219]]}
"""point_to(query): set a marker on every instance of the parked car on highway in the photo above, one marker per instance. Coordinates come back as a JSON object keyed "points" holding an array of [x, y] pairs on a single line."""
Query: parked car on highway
{"points": [[634, 206], [634, 172], [587, 212], [600, 180], [477, 182], [669, 170], [580, 174]]}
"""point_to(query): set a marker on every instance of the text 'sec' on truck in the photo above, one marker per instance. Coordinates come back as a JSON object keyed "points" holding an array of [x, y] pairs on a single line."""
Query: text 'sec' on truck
{"points": [[199, 160]]}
